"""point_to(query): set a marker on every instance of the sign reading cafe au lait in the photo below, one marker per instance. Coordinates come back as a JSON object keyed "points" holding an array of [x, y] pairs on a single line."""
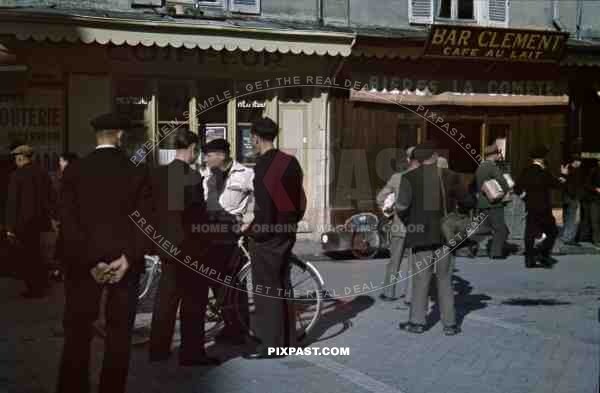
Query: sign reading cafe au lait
{"points": [[472, 42]]}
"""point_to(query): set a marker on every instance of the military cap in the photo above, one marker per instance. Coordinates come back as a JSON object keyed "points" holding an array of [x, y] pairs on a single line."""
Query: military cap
{"points": [[25, 150], [539, 152], [217, 145], [265, 127], [111, 121]]}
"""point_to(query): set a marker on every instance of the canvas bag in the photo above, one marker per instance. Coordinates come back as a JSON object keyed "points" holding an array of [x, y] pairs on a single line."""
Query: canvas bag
{"points": [[452, 223]]}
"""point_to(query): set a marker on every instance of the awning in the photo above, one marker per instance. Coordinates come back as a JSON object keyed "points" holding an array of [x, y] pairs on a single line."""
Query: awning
{"points": [[457, 99], [149, 30]]}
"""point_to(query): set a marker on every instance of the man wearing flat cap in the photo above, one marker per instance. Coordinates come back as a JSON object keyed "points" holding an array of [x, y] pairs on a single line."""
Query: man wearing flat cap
{"points": [[280, 203], [30, 201], [103, 194], [536, 183], [493, 210]]}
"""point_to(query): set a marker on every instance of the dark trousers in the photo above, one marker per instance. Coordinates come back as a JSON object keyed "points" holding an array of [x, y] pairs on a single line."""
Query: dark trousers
{"points": [[194, 298], [82, 301], [495, 221], [164, 314], [33, 270], [275, 320], [539, 222]]}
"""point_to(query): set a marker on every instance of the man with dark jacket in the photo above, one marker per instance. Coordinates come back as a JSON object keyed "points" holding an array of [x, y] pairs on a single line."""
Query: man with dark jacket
{"points": [[280, 205], [493, 210], [179, 208], [103, 249], [537, 182], [30, 201], [420, 200], [572, 195]]}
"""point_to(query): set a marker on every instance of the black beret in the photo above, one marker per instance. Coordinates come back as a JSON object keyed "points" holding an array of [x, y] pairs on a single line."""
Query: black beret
{"points": [[217, 145], [265, 127], [111, 121], [539, 152]]}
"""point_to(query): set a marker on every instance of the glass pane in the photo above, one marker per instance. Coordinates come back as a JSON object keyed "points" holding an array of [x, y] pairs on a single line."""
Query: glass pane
{"points": [[212, 99], [445, 7], [132, 98], [173, 100], [245, 153], [465, 9]]}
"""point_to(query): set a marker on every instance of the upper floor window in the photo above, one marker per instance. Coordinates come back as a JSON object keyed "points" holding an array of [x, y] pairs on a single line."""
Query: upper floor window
{"points": [[482, 12], [241, 6]]}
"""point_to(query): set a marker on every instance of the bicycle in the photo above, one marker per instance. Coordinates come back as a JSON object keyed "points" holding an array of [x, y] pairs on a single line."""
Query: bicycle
{"points": [[305, 279]]}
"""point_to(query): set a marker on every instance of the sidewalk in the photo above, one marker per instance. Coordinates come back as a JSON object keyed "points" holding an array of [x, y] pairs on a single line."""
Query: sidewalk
{"points": [[524, 331]]}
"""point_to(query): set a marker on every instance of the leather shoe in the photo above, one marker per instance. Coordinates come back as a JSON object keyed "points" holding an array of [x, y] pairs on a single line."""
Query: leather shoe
{"points": [[452, 330], [387, 298], [548, 262], [499, 257], [412, 327], [201, 360], [230, 338], [261, 355]]}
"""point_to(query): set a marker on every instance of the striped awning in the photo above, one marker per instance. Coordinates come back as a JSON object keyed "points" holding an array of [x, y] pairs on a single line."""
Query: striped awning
{"points": [[191, 34]]}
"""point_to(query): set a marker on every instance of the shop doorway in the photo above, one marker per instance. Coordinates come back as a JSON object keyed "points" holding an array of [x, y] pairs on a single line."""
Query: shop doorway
{"points": [[461, 149]]}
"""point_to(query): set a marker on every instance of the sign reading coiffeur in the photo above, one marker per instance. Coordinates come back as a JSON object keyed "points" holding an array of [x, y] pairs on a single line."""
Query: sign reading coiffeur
{"points": [[469, 42]]}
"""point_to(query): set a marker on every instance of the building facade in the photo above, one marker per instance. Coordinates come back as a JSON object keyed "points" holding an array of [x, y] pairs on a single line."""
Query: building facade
{"points": [[350, 82]]}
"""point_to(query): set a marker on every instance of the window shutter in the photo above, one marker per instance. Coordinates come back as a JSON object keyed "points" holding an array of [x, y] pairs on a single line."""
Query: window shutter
{"points": [[498, 12], [420, 11], [245, 6]]}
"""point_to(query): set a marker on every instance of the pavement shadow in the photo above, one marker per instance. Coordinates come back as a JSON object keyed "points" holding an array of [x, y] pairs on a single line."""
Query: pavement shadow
{"points": [[465, 301], [337, 313]]}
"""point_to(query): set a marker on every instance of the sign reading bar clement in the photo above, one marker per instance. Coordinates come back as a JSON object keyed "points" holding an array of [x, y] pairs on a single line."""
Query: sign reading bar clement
{"points": [[472, 42]]}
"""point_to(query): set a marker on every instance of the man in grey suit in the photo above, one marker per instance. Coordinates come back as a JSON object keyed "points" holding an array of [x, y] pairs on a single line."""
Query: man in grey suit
{"points": [[391, 290], [494, 211]]}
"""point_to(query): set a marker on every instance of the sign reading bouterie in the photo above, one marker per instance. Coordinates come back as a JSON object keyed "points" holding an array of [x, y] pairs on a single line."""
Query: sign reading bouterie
{"points": [[472, 42]]}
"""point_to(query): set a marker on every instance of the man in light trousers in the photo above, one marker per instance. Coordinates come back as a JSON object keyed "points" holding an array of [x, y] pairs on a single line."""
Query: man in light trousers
{"points": [[396, 270]]}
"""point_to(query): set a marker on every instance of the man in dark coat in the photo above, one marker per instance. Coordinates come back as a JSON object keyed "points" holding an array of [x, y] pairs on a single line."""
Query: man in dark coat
{"points": [[280, 205], [494, 210], [30, 201], [179, 208], [104, 248], [420, 201], [537, 182]]}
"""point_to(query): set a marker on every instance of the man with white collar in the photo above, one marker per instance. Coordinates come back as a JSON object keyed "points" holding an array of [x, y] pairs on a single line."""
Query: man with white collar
{"points": [[103, 249], [228, 190]]}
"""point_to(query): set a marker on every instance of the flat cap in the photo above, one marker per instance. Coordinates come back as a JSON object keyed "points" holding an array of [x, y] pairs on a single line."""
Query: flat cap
{"points": [[217, 145], [111, 121], [25, 150], [539, 152], [265, 127]]}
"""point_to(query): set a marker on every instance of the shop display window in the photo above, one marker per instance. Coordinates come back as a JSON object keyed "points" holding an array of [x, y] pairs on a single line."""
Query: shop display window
{"points": [[250, 107]]}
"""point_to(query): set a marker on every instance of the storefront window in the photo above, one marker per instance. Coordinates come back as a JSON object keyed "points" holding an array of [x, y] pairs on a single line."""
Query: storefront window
{"points": [[173, 103], [249, 109], [133, 98]]}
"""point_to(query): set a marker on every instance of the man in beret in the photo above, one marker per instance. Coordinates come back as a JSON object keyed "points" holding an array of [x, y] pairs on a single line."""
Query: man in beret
{"points": [[229, 192], [536, 182], [493, 210], [30, 201], [280, 203], [103, 194]]}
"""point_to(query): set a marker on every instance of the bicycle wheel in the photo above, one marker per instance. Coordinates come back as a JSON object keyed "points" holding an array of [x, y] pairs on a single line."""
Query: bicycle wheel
{"points": [[308, 296]]}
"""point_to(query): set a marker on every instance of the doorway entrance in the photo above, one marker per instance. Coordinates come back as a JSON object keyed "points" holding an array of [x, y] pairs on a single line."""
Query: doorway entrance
{"points": [[461, 149]]}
